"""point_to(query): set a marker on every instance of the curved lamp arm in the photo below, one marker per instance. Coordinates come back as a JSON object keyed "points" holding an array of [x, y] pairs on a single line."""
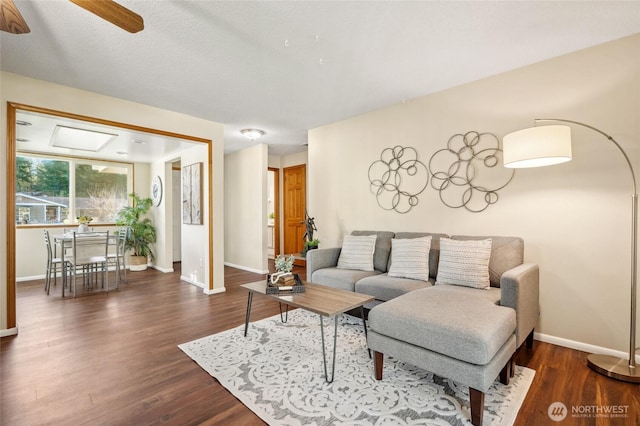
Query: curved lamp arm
{"points": [[624, 154]]}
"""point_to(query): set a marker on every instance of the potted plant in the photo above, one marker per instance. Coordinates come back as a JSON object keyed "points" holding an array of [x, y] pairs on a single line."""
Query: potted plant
{"points": [[83, 223], [140, 231], [310, 245]]}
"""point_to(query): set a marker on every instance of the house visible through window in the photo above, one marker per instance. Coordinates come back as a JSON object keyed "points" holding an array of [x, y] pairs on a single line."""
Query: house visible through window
{"points": [[58, 190]]}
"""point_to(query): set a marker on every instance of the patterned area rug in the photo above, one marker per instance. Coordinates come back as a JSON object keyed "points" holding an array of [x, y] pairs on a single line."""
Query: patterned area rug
{"points": [[277, 372]]}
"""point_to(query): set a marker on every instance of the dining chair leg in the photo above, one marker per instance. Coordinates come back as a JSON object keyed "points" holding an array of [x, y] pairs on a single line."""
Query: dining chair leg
{"points": [[117, 271], [47, 278]]}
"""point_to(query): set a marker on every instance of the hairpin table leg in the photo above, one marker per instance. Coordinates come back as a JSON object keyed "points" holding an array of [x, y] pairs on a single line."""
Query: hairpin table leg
{"points": [[324, 354], [246, 320], [286, 314]]}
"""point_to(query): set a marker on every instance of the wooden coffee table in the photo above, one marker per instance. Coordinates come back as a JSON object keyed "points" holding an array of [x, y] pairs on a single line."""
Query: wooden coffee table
{"points": [[322, 300]]}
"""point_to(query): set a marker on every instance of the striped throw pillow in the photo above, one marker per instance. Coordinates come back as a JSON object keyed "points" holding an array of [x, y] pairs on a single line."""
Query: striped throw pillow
{"points": [[410, 258], [464, 262], [357, 252]]}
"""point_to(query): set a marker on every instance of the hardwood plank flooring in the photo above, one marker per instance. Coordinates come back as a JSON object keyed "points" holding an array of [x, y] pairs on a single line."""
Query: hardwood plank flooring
{"points": [[112, 359]]}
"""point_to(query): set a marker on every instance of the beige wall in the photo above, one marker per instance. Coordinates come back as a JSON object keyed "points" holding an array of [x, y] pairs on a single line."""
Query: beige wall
{"points": [[246, 213], [19, 89], [575, 218]]}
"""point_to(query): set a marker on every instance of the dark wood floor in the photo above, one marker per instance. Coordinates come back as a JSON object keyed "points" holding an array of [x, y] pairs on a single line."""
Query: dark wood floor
{"points": [[112, 359]]}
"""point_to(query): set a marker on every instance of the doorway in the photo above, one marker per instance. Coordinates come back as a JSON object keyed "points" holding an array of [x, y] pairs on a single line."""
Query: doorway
{"points": [[12, 110], [273, 207], [294, 206]]}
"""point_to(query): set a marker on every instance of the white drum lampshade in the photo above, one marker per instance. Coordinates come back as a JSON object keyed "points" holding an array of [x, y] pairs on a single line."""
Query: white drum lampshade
{"points": [[537, 146]]}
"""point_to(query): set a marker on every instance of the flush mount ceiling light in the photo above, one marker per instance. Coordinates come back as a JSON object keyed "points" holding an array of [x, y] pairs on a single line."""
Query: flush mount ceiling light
{"points": [[252, 134], [82, 139]]}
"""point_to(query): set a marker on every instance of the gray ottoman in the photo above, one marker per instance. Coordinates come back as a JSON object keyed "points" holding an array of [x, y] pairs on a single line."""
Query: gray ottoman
{"points": [[465, 338]]}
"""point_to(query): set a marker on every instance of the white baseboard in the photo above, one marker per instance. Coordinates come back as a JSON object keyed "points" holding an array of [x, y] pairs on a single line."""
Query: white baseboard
{"points": [[214, 291], [165, 270], [59, 275], [202, 286], [33, 278], [246, 268], [9, 332], [192, 282], [584, 347]]}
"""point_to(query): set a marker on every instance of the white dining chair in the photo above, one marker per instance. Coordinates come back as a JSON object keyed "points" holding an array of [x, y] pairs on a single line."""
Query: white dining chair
{"points": [[53, 263], [117, 258], [88, 251]]}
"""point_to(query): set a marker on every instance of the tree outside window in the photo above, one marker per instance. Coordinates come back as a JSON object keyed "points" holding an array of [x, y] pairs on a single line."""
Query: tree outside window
{"points": [[45, 193]]}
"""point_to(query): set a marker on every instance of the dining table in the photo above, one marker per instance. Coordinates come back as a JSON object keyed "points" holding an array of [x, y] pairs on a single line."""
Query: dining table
{"points": [[65, 242]]}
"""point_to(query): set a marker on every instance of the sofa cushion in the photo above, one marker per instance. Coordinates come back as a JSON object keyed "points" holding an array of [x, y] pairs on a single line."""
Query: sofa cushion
{"points": [[357, 252], [506, 253], [491, 294], [340, 278], [434, 253], [464, 262], [383, 287], [465, 328], [410, 258], [383, 248]]}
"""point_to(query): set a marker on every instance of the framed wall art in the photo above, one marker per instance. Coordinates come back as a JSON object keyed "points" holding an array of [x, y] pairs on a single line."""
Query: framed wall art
{"points": [[192, 194]]}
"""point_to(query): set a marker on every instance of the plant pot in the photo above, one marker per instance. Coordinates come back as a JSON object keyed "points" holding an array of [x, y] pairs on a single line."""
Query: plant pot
{"points": [[137, 263], [82, 228]]}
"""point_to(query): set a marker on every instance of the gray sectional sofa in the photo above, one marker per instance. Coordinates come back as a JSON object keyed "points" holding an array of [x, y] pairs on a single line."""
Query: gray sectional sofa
{"points": [[466, 334]]}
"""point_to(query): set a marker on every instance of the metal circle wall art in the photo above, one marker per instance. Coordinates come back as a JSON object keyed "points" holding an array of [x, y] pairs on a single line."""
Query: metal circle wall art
{"points": [[397, 178], [455, 171]]}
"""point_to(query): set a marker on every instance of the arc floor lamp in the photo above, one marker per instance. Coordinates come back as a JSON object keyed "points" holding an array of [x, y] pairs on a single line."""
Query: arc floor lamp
{"points": [[547, 145]]}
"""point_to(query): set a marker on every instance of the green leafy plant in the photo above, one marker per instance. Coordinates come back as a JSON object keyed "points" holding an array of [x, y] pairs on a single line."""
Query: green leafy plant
{"points": [[310, 245], [141, 232], [284, 263]]}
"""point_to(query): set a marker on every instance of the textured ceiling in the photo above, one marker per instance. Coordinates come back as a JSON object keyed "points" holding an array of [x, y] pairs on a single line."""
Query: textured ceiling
{"points": [[287, 67]]}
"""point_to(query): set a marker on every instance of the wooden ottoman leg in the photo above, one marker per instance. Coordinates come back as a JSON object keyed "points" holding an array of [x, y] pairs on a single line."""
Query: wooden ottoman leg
{"points": [[378, 359], [505, 374], [530, 340], [513, 365], [476, 398]]}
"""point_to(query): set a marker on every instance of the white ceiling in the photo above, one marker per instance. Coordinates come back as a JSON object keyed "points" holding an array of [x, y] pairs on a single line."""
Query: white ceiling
{"points": [[127, 145], [287, 67]]}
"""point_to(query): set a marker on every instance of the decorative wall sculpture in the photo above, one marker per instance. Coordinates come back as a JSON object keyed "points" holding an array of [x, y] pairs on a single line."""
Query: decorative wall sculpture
{"points": [[397, 178], [455, 171]]}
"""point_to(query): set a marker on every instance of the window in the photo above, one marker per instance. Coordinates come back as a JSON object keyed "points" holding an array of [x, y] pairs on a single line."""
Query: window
{"points": [[58, 190]]}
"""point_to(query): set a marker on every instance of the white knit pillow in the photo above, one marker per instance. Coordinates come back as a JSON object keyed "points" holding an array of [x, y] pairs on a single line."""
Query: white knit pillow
{"points": [[410, 258], [464, 262], [357, 252]]}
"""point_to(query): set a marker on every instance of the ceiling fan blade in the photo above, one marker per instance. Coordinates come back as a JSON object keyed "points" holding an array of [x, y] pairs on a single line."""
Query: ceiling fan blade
{"points": [[111, 11], [11, 21]]}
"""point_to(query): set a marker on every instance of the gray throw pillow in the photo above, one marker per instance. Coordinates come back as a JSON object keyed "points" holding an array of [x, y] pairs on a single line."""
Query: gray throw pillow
{"points": [[410, 258], [357, 252], [464, 262]]}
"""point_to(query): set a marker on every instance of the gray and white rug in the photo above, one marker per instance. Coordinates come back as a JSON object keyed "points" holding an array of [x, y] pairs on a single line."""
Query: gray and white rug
{"points": [[277, 372]]}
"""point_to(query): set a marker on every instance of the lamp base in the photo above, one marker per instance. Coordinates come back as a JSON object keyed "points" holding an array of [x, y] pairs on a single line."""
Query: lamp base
{"points": [[614, 367]]}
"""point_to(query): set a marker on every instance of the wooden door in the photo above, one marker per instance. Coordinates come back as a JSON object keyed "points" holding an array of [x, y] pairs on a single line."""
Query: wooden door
{"points": [[294, 205]]}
